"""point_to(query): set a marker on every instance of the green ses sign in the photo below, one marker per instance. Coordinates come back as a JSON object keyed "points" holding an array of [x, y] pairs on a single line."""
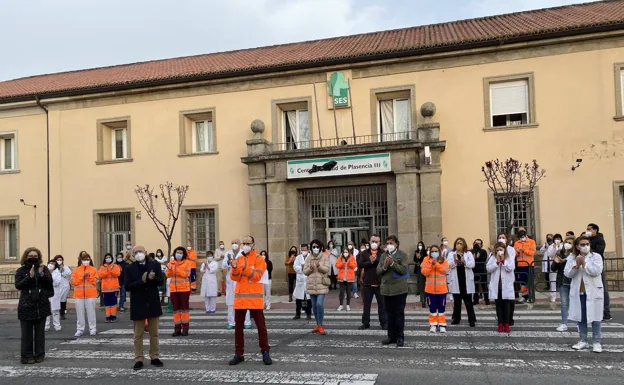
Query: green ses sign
{"points": [[339, 89]]}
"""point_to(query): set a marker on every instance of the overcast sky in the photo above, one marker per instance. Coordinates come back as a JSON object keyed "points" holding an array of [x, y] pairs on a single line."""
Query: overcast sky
{"points": [[45, 36]]}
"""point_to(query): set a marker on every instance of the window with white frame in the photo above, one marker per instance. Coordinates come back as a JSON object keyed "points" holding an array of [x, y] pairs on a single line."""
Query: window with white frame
{"points": [[200, 229], [296, 129], [509, 103], [394, 119], [202, 136], [8, 240], [622, 89], [120, 143], [8, 152], [522, 209]]}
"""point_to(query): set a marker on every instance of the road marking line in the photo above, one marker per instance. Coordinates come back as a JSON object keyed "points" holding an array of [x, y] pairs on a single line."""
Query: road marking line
{"points": [[162, 342], [423, 317]]}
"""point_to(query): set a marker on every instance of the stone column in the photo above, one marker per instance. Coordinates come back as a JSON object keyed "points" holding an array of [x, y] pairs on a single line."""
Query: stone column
{"points": [[408, 204], [430, 176], [257, 186]]}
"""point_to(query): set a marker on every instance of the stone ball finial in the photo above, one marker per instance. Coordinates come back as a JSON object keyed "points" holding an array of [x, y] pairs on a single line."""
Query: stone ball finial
{"points": [[257, 127], [428, 110]]}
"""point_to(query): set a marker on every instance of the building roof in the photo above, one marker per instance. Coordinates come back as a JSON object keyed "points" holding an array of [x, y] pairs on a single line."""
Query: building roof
{"points": [[493, 30]]}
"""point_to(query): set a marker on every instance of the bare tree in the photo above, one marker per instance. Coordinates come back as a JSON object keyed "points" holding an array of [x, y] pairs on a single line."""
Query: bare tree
{"points": [[509, 180], [173, 197]]}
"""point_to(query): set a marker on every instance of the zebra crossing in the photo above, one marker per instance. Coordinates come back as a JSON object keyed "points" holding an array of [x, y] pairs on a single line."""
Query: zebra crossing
{"points": [[346, 356]]}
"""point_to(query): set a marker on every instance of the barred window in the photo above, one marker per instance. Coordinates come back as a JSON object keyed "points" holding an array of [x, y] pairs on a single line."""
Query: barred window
{"points": [[8, 240], [200, 229], [522, 209]]}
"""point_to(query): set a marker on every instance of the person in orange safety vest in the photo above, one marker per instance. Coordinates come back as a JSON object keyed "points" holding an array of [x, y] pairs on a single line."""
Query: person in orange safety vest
{"points": [[109, 274], [192, 259], [435, 268], [84, 278], [345, 265], [247, 270], [179, 272], [525, 251]]}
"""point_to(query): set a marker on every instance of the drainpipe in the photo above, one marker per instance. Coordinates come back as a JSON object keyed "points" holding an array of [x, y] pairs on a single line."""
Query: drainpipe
{"points": [[266, 209], [47, 165]]}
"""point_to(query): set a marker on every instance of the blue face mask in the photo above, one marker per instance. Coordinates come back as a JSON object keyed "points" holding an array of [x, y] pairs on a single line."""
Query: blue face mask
{"points": [[435, 254]]}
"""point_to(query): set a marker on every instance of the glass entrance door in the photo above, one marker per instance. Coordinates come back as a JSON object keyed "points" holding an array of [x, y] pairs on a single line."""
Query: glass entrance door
{"points": [[340, 237]]}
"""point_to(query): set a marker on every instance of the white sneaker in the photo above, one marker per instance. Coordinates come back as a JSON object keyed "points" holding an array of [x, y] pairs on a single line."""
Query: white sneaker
{"points": [[442, 329], [78, 334], [268, 307], [433, 329], [47, 329], [356, 296], [93, 332], [580, 345], [562, 328], [57, 330], [348, 308], [340, 308], [597, 347]]}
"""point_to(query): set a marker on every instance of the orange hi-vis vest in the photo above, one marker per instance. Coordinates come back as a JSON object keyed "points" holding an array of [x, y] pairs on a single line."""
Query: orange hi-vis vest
{"points": [[436, 275], [525, 257], [249, 292], [191, 257], [179, 272], [347, 266], [84, 279], [109, 274]]}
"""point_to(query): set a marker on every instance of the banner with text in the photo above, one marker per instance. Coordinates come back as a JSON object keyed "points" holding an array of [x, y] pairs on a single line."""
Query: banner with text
{"points": [[334, 166]]}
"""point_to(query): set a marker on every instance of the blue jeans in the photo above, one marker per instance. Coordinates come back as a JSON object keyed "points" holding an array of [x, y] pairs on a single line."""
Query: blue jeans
{"points": [[564, 293], [596, 326], [122, 296], [318, 307], [355, 285]]}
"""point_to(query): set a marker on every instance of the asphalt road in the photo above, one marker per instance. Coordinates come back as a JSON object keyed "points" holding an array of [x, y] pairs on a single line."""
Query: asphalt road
{"points": [[534, 353]]}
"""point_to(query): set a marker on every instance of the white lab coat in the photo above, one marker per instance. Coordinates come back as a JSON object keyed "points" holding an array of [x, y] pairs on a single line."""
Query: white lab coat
{"points": [[506, 273], [209, 279], [302, 279], [64, 287], [230, 285], [57, 281], [454, 280], [333, 256], [590, 275], [549, 256]]}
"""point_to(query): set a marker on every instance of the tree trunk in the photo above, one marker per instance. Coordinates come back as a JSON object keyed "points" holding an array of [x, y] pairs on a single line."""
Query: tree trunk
{"points": [[169, 248]]}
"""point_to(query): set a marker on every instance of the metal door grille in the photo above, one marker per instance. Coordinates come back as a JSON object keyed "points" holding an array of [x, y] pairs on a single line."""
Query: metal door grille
{"points": [[522, 209], [340, 207], [8, 240], [115, 231], [201, 227]]}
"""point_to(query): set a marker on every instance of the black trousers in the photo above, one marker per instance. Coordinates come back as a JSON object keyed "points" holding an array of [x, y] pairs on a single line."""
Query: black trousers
{"points": [[299, 305], [395, 311], [334, 281], [33, 339], [369, 293], [63, 308], [457, 307], [292, 278], [345, 288]]}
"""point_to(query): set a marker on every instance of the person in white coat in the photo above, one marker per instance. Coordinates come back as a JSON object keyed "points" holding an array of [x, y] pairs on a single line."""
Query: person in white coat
{"points": [[461, 281], [209, 286], [300, 293], [65, 286], [586, 292], [549, 256], [333, 254], [230, 285], [502, 265], [55, 301], [502, 238]]}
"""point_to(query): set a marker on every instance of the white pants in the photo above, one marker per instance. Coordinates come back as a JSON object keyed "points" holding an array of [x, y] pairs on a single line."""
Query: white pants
{"points": [[88, 306], [211, 303], [231, 317], [267, 295], [552, 286], [56, 320]]}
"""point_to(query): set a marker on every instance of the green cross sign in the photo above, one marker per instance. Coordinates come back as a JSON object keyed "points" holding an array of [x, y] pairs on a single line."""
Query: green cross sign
{"points": [[339, 89]]}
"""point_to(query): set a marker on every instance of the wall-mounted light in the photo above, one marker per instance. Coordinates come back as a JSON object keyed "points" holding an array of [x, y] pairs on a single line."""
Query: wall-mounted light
{"points": [[26, 204], [427, 155], [578, 164]]}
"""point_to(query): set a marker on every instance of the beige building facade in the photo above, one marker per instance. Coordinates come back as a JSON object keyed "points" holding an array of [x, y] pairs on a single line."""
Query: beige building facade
{"points": [[400, 153]]}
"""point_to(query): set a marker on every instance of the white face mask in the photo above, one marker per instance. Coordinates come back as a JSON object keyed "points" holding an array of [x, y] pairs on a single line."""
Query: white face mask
{"points": [[60, 262], [304, 253], [128, 247], [523, 239], [585, 249], [502, 240], [316, 250], [390, 248], [500, 253], [350, 247], [159, 254], [222, 247], [557, 241], [588, 234], [139, 257], [445, 243], [86, 262], [246, 249], [234, 246], [346, 255], [367, 247], [188, 248], [374, 245], [363, 249], [50, 267], [419, 247], [567, 246], [108, 260], [179, 256]]}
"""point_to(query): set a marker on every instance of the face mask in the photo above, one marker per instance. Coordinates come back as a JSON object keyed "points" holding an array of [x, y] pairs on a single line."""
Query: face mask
{"points": [[419, 247], [557, 241], [363, 249], [500, 253], [86, 262], [108, 260], [460, 247], [234, 246], [50, 267], [435, 254], [567, 246], [209, 259], [179, 256], [390, 248], [263, 256], [588, 234], [502, 240], [523, 239], [374, 246], [222, 247], [32, 260], [304, 253], [445, 243], [119, 260], [128, 247], [139, 257], [367, 247], [346, 255], [330, 246], [350, 247], [188, 248], [316, 250], [585, 249], [549, 241], [159, 254], [292, 253], [246, 249], [476, 247], [60, 262]]}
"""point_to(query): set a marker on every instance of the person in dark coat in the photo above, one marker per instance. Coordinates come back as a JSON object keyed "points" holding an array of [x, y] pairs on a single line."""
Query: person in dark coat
{"points": [[34, 281], [142, 279], [480, 273]]}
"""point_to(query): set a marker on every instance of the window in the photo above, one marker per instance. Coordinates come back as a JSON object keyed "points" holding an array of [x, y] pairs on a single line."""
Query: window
{"points": [[114, 141], [201, 229], [394, 119], [619, 91], [8, 152], [115, 232], [296, 129], [198, 132], [509, 101], [522, 209], [8, 240], [202, 136]]}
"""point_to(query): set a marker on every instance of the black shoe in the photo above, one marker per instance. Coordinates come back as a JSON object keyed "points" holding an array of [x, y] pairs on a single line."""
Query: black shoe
{"points": [[184, 333], [296, 317], [472, 324], [364, 327], [236, 360], [388, 341], [511, 323], [266, 358], [138, 365], [455, 322], [475, 303], [28, 362], [176, 333], [39, 360], [62, 318], [607, 318], [309, 317], [487, 303], [157, 363], [400, 342], [384, 327], [290, 298]]}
